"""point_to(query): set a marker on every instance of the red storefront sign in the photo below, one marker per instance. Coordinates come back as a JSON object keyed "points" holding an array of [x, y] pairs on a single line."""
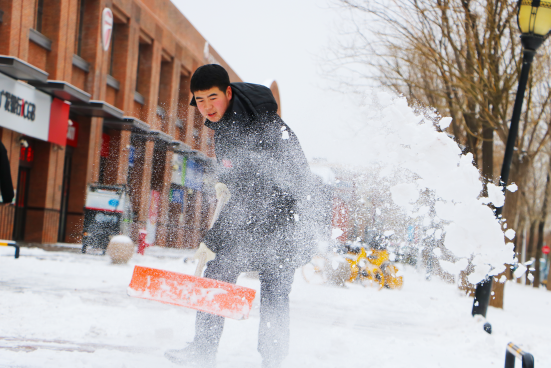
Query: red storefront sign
{"points": [[28, 111], [59, 118]]}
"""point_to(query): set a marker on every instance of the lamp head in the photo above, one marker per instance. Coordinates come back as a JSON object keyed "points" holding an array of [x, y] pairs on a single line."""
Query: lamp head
{"points": [[534, 22]]}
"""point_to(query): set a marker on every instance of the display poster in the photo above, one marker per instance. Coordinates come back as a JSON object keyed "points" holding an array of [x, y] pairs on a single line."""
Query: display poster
{"points": [[178, 169], [131, 156], [72, 134], [194, 175], [177, 195]]}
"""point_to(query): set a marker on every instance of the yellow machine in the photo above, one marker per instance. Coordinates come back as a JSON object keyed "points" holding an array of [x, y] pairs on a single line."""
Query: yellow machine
{"points": [[374, 268], [358, 265]]}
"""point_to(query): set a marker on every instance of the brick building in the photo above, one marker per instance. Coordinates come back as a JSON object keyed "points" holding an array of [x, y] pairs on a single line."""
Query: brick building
{"points": [[124, 110]]}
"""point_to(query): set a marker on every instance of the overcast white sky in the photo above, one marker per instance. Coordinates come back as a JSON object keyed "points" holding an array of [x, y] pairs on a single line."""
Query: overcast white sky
{"points": [[281, 40]]}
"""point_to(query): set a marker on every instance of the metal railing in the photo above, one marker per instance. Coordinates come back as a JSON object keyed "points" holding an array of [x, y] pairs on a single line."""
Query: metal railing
{"points": [[513, 352], [10, 243]]}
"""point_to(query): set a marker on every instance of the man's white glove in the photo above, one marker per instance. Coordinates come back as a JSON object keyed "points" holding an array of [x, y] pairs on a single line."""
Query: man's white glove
{"points": [[208, 254], [222, 191]]}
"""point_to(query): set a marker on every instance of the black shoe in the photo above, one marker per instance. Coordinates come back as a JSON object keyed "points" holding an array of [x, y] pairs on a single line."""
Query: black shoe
{"points": [[192, 356]]}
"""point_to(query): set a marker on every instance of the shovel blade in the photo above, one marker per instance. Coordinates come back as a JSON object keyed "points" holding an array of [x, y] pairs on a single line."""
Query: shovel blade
{"points": [[206, 295]]}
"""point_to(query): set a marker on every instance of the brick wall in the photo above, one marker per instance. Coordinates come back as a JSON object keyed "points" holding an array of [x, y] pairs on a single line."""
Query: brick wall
{"points": [[154, 50]]}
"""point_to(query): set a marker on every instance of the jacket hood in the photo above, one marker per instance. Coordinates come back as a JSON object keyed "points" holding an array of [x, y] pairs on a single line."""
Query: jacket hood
{"points": [[256, 99], [249, 102]]}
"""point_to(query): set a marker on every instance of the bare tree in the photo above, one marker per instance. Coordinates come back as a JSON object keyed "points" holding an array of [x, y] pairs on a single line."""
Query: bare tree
{"points": [[462, 57]]}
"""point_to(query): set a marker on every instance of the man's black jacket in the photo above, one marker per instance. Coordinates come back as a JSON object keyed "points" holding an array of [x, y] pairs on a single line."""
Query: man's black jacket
{"points": [[6, 186], [267, 174]]}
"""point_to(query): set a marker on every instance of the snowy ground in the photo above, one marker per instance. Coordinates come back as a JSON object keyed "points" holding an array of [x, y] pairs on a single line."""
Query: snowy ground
{"points": [[60, 309]]}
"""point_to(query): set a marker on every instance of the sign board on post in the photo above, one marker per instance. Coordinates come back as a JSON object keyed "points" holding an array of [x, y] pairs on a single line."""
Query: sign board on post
{"points": [[106, 28], [104, 200], [545, 249]]}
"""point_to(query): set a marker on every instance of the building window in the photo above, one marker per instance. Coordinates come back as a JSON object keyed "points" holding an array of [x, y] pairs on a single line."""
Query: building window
{"points": [[112, 46], [143, 70], [103, 157], [165, 87], [39, 15], [140, 55], [183, 103], [80, 27]]}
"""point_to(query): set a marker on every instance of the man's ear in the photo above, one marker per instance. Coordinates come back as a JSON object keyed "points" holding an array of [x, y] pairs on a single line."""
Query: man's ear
{"points": [[229, 92]]}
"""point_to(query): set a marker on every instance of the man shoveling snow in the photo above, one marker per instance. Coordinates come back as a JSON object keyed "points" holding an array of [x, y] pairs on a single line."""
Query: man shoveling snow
{"points": [[264, 225]]}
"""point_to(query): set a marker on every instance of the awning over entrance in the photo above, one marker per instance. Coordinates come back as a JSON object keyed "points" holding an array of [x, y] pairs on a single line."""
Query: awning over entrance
{"points": [[95, 108], [186, 150], [20, 69], [62, 90], [201, 157], [181, 147], [161, 136], [127, 123]]}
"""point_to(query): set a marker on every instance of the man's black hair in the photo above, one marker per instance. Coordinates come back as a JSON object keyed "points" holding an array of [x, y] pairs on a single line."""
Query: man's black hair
{"points": [[209, 76]]}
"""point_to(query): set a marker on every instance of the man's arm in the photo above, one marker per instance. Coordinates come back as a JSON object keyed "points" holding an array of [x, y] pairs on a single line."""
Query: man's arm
{"points": [[287, 163]]}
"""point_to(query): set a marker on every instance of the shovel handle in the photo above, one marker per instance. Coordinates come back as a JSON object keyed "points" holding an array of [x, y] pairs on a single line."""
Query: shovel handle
{"points": [[220, 203], [200, 264]]}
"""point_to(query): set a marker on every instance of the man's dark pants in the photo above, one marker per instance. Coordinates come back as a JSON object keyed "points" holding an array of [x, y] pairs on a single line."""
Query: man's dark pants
{"points": [[275, 285]]}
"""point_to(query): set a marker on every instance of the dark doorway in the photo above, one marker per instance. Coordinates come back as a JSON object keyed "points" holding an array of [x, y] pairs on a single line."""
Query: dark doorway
{"points": [[25, 163], [21, 203], [65, 194]]}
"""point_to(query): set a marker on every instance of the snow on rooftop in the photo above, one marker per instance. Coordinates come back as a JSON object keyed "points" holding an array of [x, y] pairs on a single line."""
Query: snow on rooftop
{"points": [[268, 82]]}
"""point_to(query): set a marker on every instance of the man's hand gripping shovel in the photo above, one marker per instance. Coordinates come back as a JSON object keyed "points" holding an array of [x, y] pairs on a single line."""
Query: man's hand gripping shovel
{"points": [[206, 295]]}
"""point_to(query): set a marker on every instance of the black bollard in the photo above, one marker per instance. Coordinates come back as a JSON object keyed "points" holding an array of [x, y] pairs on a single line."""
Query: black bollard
{"points": [[482, 297]]}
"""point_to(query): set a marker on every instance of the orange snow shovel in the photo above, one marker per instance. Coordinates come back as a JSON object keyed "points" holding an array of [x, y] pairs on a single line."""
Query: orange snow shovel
{"points": [[207, 295]]}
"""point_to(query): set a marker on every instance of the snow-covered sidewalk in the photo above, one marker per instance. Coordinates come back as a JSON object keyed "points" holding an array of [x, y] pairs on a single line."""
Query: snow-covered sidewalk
{"points": [[60, 309]]}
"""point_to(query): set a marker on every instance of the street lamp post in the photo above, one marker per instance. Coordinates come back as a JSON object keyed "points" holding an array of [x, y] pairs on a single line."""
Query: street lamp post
{"points": [[534, 21]]}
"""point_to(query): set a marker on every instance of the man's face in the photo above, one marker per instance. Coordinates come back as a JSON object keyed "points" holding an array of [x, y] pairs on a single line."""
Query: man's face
{"points": [[213, 103]]}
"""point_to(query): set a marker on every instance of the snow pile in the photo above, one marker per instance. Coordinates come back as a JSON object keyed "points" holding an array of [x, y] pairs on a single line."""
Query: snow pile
{"points": [[67, 310], [399, 140]]}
